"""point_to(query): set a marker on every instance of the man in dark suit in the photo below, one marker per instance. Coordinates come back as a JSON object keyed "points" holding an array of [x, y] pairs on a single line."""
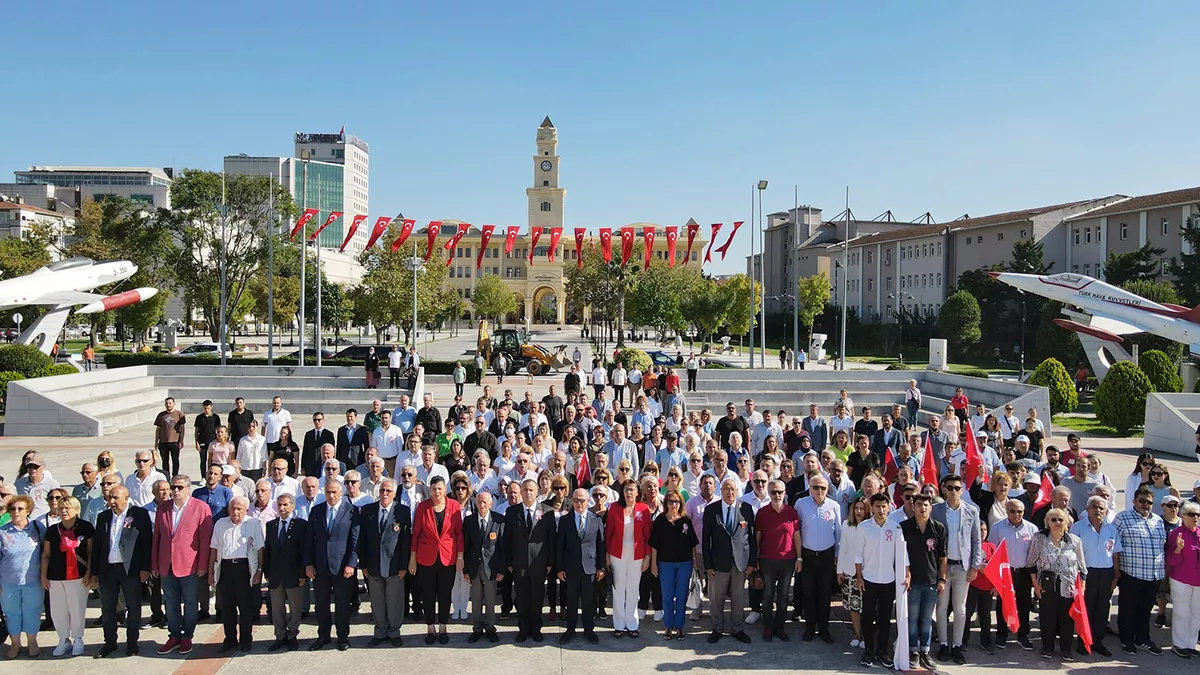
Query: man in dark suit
{"points": [[332, 557], [888, 436], [310, 452], [384, 542], [121, 562], [482, 439], [483, 565], [580, 562], [284, 563], [352, 440], [529, 536], [730, 555]]}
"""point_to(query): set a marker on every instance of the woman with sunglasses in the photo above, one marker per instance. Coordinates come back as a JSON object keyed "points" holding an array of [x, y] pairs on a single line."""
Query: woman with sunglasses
{"points": [[627, 539], [674, 481], [1171, 520], [1056, 559], [673, 544], [462, 493], [1138, 477], [54, 499], [1160, 484], [1183, 571]]}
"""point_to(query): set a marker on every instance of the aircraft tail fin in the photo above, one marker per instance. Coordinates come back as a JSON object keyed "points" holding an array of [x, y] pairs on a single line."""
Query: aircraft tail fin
{"points": [[1192, 314]]}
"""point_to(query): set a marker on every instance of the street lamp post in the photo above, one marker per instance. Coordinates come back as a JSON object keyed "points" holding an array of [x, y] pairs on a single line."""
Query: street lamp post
{"points": [[762, 274], [415, 264], [1022, 375]]}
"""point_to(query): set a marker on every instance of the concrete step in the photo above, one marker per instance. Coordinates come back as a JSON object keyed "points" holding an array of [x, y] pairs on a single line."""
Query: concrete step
{"points": [[141, 417], [133, 399], [231, 382]]}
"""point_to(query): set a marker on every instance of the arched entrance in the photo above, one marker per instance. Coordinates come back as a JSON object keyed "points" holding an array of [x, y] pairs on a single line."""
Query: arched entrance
{"points": [[518, 315], [547, 306]]}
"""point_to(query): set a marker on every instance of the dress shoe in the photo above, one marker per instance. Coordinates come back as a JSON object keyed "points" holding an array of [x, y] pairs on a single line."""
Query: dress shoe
{"points": [[343, 645], [538, 637], [1101, 650], [566, 637], [443, 639], [808, 637], [318, 644], [227, 647], [185, 646], [783, 636], [956, 654], [202, 615], [741, 636], [713, 637], [943, 653], [106, 651], [492, 636], [277, 645], [591, 637], [827, 638], [132, 650], [169, 646], [476, 636], [397, 641], [520, 637], [927, 662], [767, 636], [506, 614], [246, 648], [293, 644], [375, 642], [430, 638]]}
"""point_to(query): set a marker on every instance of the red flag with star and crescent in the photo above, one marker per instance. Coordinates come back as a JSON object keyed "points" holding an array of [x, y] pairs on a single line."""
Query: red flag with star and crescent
{"points": [[929, 474], [580, 232], [302, 221], [1046, 492], [973, 466], [716, 227], [431, 233], [378, 229], [1079, 613], [358, 219], [693, 228], [484, 238], [672, 236], [555, 235], [406, 228], [535, 233], [606, 243], [648, 240], [999, 572], [333, 215], [462, 230], [724, 248], [626, 244], [510, 238]]}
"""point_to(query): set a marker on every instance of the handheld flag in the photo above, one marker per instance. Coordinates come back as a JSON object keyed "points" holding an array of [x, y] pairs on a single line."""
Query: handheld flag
{"points": [[999, 572], [583, 470], [973, 467], [302, 221], [1046, 492], [891, 467], [1080, 616], [929, 474]]}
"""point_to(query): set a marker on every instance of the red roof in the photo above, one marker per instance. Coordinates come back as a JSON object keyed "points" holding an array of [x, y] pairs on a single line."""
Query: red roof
{"points": [[28, 207]]}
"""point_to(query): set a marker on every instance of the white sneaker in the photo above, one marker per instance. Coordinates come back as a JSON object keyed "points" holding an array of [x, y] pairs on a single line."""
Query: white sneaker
{"points": [[77, 648], [856, 643], [62, 648], [658, 616], [753, 617], [641, 615]]}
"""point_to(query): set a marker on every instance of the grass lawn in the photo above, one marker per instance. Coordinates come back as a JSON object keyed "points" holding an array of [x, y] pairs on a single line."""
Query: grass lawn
{"points": [[992, 367], [1092, 426]]}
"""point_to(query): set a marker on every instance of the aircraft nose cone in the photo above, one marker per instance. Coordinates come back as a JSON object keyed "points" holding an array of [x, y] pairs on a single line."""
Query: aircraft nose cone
{"points": [[994, 275]]}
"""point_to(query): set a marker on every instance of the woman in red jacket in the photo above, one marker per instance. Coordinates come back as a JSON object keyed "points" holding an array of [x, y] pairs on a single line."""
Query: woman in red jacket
{"points": [[437, 555], [627, 538]]}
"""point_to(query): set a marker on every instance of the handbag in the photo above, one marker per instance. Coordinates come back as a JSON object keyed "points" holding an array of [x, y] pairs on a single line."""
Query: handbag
{"points": [[694, 595], [756, 581]]}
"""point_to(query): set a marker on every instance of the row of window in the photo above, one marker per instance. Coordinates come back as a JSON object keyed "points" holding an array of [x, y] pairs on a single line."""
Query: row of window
{"points": [[999, 237], [1164, 226], [922, 251], [1164, 268]]}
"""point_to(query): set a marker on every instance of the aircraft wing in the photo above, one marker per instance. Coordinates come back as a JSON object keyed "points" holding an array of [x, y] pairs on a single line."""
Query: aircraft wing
{"points": [[67, 298], [1115, 326]]}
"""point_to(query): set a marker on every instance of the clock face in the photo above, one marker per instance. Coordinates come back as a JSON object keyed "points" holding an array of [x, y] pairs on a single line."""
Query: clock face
{"points": [[546, 165]]}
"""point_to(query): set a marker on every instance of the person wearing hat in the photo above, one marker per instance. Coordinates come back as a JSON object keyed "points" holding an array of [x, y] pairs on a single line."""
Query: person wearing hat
{"points": [[1073, 453], [1033, 486], [37, 483], [1196, 492]]}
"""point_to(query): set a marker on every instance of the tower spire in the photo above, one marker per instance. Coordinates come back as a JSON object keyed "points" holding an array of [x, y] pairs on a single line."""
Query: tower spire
{"points": [[546, 123]]}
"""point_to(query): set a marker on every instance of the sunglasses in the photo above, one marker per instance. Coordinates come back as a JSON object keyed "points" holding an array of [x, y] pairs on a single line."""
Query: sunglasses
{"points": [[179, 487], [775, 493], [1015, 511], [138, 461], [1157, 474], [53, 498], [818, 487], [1145, 502], [1147, 463], [352, 482], [1056, 520], [760, 482], [674, 501], [954, 488]]}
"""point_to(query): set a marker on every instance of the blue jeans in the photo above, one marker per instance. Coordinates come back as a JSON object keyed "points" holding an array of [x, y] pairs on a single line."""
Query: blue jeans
{"points": [[23, 608], [922, 598], [181, 592], [674, 578]]}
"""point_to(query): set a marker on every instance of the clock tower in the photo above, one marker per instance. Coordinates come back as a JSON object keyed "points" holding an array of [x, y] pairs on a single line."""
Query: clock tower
{"points": [[546, 197]]}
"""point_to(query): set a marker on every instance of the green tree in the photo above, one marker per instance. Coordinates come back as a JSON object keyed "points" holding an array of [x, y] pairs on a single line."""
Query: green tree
{"points": [[1187, 271], [493, 299], [812, 293], [959, 321], [706, 306], [655, 299], [999, 306], [1161, 370], [1143, 264], [741, 311], [286, 297], [1121, 398], [1052, 375], [1162, 292], [1028, 257], [384, 297], [605, 286], [23, 255], [1055, 342]]}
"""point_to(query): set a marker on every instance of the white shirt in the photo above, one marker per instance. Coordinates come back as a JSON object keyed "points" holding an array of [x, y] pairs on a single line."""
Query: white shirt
{"points": [[252, 452], [489, 482], [752, 419], [526, 423], [114, 536], [618, 377], [388, 441], [424, 475], [599, 376], [395, 359], [755, 501], [177, 512], [287, 486], [841, 423], [879, 546], [141, 491], [274, 421], [237, 541], [408, 458], [634, 376]]}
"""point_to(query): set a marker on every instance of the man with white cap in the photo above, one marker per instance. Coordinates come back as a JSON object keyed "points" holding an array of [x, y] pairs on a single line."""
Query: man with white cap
{"points": [[1196, 492]]}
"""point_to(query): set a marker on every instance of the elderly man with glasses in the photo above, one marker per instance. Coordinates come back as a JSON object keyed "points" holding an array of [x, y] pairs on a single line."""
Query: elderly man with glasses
{"points": [[820, 531], [1143, 537], [141, 483], [1017, 533]]}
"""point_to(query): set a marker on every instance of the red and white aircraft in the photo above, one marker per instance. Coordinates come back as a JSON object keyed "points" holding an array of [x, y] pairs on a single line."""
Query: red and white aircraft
{"points": [[1114, 311]]}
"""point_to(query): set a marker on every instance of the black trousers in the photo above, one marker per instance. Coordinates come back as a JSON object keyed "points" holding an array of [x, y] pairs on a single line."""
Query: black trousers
{"points": [[156, 600], [601, 594], [1098, 599], [650, 592], [479, 376], [819, 573], [169, 452], [114, 582], [238, 601], [619, 395], [691, 386], [877, 604], [529, 589], [798, 595], [436, 581], [553, 594], [1023, 586], [341, 591], [394, 378], [1133, 611], [505, 586], [979, 603], [1055, 619], [579, 591], [458, 388]]}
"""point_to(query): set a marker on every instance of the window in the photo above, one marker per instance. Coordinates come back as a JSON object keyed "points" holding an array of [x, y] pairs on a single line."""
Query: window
{"points": [[545, 206], [1097, 234], [870, 257], [1166, 225], [889, 283], [968, 241], [887, 257], [1087, 270], [979, 239], [1124, 231], [1075, 269], [1023, 232], [870, 285], [939, 279], [939, 248], [545, 183], [1088, 235], [1075, 232], [999, 236]]}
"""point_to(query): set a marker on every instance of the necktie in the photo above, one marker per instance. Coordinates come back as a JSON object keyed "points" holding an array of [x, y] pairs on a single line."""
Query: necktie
{"points": [[329, 519], [483, 525], [283, 530], [529, 519], [729, 519], [579, 523]]}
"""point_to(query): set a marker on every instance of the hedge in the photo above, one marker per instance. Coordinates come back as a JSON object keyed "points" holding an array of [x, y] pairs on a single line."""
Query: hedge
{"points": [[24, 359], [1121, 398], [1162, 371], [1053, 375], [973, 372], [122, 360], [6, 377]]}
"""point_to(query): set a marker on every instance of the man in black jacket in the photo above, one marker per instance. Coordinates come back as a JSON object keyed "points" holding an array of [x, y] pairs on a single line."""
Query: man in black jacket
{"points": [[482, 439], [126, 576], [310, 452], [239, 420], [352, 440], [529, 534], [429, 417], [384, 543], [484, 565], [283, 563]]}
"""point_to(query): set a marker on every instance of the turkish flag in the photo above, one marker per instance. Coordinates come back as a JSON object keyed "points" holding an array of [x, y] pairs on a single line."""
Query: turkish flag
{"points": [[510, 238], [1079, 614], [724, 248], [716, 227], [693, 228], [891, 467], [606, 243], [648, 240], [358, 219], [483, 243], [583, 470], [1046, 492], [431, 234], [579, 234], [378, 229], [929, 474], [333, 215], [555, 235], [453, 241], [626, 244], [535, 233], [672, 236], [973, 467], [302, 221], [406, 228], [999, 572]]}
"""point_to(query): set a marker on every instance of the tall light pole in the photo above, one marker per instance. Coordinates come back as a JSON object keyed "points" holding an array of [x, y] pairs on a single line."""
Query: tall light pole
{"points": [[272, 226], [795, 251], [222, 338], [303, 254], [750, 274], [416, 265], [762, 273]]}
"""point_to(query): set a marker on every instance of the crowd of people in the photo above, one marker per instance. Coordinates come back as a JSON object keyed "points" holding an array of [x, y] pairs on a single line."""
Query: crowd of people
{"points": [[564, 508]]}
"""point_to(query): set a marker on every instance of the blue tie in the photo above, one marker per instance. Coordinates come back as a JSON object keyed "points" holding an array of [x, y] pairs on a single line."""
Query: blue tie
{"points": [[329, 520]]}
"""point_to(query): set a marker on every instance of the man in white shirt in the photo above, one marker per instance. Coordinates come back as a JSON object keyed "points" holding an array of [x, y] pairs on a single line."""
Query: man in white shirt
{"points": [[757, 497], [751, 416], [354, 491], [330, 470], [760, 431], [880, 555], [308, 496], [395, 361], [619, 379], [427, 469], [482, 477], [275, 419], [141, 483], [235, 571], [411, 455], [281, 483], [387, 439]]}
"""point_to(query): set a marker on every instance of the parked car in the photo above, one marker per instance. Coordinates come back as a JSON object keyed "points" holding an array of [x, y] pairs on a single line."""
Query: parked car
{"points": [[311, 353], [661, 358], [359, 352], [204, 349]]}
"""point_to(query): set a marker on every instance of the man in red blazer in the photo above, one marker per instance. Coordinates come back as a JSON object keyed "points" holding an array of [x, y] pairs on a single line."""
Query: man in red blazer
{"points": [[179, 556]]}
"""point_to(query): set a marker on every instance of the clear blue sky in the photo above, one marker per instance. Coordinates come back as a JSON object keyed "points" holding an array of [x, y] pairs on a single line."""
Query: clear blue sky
{"points": [[665, 110]]}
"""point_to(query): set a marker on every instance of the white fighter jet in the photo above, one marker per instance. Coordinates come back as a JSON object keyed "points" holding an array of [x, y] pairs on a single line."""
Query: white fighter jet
{"points": [[1114, 311]]}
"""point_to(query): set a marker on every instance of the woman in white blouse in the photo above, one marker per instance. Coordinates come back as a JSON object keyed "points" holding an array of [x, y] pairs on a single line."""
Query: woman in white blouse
{"points": [[851, 542], [252, 453]]}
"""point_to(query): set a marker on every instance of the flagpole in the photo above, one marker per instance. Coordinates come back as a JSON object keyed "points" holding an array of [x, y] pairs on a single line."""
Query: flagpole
{"points": [[303, 244], [845, 282], [795, 290], [752, 276], [223, 338], [271, 227], [317, 325]]}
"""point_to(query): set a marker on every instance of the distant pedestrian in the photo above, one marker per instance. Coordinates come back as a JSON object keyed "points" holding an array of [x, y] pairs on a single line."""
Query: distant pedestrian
{"points": [[395, 367], [801, 357], [500, 366], [89, 358], [480, 368], [460, 378]]}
